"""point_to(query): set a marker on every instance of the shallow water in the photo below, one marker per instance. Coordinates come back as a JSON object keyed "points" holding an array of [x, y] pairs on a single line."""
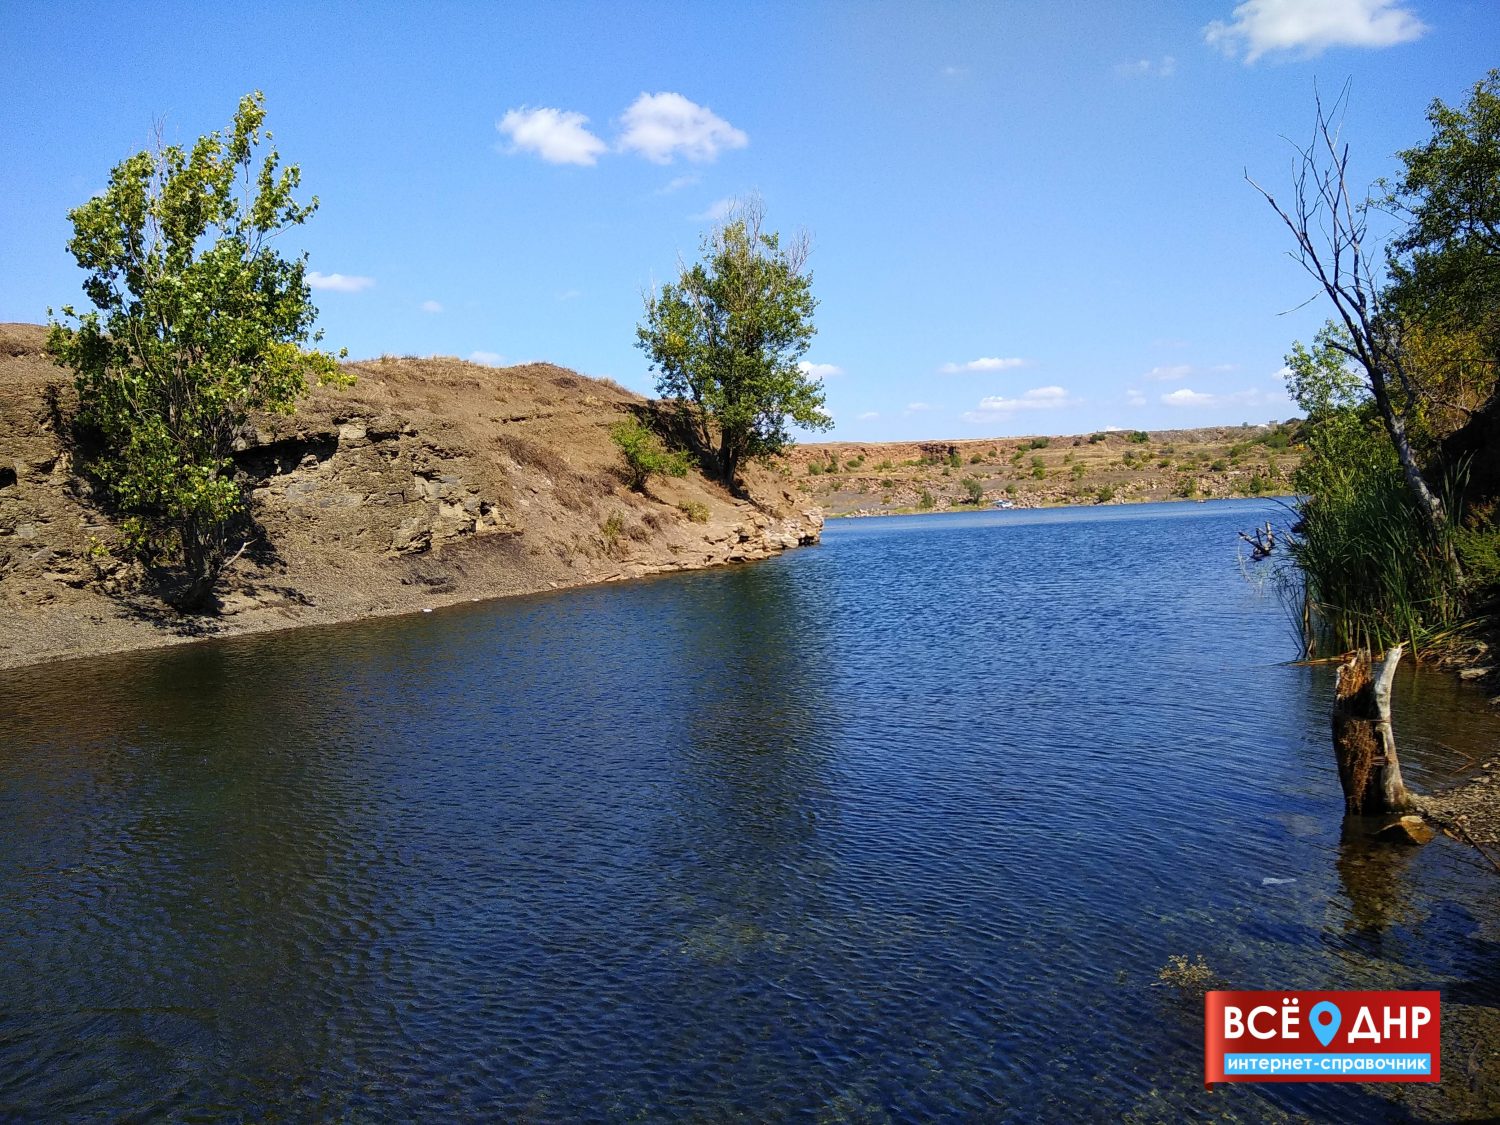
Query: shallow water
{"points": [[901, 826]]}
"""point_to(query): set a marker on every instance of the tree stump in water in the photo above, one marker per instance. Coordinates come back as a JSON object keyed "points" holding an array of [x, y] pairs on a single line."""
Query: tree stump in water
{"points": [[1364, 742]]}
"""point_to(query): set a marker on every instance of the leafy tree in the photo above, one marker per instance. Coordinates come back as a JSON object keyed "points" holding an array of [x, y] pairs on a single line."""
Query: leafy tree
{"points": [[727, 337], [973, 490], [1445, 266], [197, 321], [645, 454]]}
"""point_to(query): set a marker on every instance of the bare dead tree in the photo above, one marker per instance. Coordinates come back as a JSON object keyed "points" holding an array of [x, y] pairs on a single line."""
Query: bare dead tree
{"points": [[1329, 229]]}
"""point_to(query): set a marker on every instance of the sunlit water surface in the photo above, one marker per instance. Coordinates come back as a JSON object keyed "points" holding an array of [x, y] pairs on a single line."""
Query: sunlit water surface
{"points": [[902, 826]]}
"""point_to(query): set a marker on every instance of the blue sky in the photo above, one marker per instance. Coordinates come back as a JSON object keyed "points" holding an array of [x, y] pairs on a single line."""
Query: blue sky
{"points": [[1026, 217]]}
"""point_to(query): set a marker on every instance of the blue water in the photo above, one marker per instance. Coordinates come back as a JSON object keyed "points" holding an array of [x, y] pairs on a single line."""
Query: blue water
{"points": [[900, 827]]}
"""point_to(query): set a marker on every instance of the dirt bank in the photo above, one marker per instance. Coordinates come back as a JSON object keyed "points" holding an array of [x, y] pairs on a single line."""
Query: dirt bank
{"points": [[431, 481]]}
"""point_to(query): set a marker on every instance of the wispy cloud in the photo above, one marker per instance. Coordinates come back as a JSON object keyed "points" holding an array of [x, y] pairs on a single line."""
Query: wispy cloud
{"points": [[1169, 373], [489, 359], [819, 370], [1186, 397], [1134, 397], [1172, 373], [570, 294], [868, 416], [717, 211], [662, 127], [918, 407], [677, 183], [983, 363], [1164, 67], [1309, 27], [339, 282], [558, 136], [431, 307], [995, 407], [954, 72]]}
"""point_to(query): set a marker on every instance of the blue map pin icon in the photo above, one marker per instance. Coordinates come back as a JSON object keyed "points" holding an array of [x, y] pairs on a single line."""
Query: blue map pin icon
{"points": [[1326, 1027]]}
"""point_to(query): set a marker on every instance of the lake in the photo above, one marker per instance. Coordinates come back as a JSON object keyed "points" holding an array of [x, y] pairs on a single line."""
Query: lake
{"points": [[900, 827]]}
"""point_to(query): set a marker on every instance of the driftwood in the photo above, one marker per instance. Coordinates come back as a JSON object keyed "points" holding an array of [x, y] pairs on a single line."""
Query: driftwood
{"points": [[1263, 543], [1364, 742]]}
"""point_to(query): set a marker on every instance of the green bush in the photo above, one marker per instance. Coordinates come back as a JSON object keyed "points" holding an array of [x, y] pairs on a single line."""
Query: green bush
{"points": [[925, 501], [694, 510], [645, 454], [973, 490], [1140, 437]]}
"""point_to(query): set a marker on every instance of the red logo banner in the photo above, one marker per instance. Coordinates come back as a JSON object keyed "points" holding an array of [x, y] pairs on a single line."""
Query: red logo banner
{"points": [[1321, 1037]]}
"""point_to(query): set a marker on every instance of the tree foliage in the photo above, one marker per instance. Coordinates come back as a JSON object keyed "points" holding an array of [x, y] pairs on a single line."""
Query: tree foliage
{"points": [[645, 454], [726, 337], [197, 321], [1400, 389], [1446, 263]]}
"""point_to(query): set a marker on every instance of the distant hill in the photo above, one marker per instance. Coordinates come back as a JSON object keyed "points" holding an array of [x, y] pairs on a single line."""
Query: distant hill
{"points": [[870, 478], [430, 481]]}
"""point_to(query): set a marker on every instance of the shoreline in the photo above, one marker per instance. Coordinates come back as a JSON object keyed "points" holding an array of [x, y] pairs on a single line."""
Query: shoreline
{"points": [[131, 627], [1133, 502]]}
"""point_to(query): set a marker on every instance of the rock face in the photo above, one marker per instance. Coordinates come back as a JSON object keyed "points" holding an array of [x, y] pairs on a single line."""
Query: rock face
{"points": [[430, 481]]}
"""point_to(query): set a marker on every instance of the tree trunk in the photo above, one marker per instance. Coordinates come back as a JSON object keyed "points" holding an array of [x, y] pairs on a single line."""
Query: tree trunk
{"points": [[1364, 742]]}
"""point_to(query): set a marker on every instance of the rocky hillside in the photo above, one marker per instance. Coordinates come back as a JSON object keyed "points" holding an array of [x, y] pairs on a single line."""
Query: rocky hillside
{"points": [[1107, 467], [430, 481]]}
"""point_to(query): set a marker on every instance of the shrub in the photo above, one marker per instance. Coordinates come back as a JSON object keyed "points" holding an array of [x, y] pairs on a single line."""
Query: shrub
{"points": [[973, 490], [694, 510], [645, 454], [613, 529], [1140, 437], [925, 501], [1105, 494]]}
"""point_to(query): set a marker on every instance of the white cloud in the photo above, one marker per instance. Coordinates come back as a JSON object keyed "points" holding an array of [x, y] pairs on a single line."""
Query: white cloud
{"points": [[663, 126], [1134, 397], [570, 294], [918, 407], [488, 359], [1185, 397], [558, 136], [995, 407], [1173, 372], [819, 370], [431, 307], [678, 183], [1309, 27], [983, 363], [1164, 67], [955, 72], [1169, 374], [868, 416], [339, 282], [716, 212]]}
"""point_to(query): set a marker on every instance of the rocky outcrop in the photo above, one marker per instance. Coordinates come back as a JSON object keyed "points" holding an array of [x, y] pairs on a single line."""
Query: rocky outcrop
{"points": [[430, 481]]}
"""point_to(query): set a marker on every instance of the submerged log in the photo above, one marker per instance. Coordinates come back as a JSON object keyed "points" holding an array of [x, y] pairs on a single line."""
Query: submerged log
{"points": [[1364, 742]]}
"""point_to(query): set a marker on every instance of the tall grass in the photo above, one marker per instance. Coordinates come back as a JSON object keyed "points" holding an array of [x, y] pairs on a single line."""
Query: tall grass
{"points": [[1368, 572]]}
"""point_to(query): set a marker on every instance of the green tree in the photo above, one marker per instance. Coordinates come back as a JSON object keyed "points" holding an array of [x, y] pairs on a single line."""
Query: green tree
{"points": [[197, 321], [645, 454], [727, 336], [973, 490]]}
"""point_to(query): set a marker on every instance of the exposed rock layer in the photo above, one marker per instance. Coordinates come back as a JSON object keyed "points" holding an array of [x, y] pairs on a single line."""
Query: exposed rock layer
{"points": [[431, 481]]}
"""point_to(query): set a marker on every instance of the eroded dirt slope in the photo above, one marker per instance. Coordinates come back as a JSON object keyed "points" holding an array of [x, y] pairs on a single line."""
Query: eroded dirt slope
{"points": [[430, 481]]}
